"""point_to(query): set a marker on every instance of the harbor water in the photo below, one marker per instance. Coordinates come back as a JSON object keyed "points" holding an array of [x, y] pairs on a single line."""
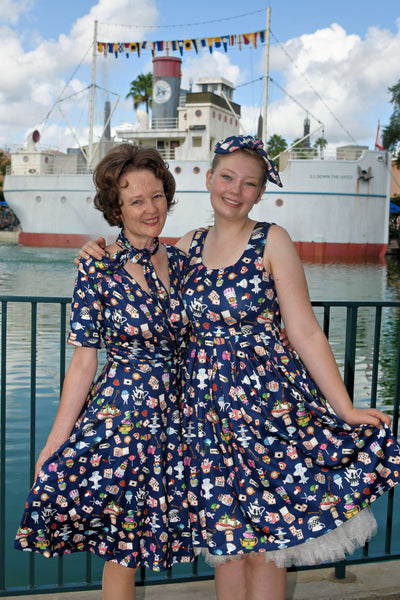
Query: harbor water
{"points": [[51, 272]]}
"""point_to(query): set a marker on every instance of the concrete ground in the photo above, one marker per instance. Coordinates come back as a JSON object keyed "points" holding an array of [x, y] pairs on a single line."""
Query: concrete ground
{"points": [[373, 581]]}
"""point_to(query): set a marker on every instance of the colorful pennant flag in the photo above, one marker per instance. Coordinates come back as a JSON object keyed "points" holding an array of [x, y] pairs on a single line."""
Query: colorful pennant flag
{"points": [[216, 42]]}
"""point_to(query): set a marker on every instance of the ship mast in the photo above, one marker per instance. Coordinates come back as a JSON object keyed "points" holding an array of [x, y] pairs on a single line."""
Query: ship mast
{"points": [[266, 76], [92, 98]]}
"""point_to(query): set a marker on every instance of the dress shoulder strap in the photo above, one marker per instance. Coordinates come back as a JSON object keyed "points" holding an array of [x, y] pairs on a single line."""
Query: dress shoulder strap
{"points": [[198, 240]]}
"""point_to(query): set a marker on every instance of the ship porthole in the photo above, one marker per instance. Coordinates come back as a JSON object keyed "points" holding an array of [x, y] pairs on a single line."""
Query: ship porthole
{"points": [[198, 112], [279, 202], [177, 170], [63, 199], [38, 198], [88, 199], [196, 170]]}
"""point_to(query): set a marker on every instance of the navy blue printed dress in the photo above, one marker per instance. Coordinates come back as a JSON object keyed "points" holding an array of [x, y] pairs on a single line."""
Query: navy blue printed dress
{"points": [[270, 467], [116, 487]]}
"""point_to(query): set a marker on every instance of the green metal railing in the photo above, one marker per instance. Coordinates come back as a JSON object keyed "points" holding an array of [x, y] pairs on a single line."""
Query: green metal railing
{"points": [[37, 330]]}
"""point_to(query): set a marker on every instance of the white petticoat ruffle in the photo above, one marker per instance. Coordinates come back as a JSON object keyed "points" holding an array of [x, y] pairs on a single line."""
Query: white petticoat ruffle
{"points": [[330, 547]]}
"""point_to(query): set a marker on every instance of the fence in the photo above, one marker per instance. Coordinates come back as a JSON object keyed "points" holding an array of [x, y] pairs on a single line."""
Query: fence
{"points": [[44, 327]]}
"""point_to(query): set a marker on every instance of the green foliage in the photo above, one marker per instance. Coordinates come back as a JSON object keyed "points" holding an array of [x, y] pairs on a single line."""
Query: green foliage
{"points": [[391, 133], [320, 144], [276, 144], [141, 90], [4, 163]]}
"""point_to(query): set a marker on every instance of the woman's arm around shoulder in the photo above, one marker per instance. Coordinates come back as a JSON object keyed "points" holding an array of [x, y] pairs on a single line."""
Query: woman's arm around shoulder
{"points": [[184, 242], [92, 249]]}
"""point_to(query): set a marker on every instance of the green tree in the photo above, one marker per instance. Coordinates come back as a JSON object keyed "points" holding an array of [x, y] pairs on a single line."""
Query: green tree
{"points": [[299, 149], [141, 90], [320, 144], [391, 133], [276, 144]]}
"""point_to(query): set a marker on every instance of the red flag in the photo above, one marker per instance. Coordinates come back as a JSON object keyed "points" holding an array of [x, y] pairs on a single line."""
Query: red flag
{"points": [[378, 139]]}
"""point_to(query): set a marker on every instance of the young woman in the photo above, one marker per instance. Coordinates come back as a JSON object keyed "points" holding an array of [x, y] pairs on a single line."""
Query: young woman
{"points": [[281, 468], [110, 477]]}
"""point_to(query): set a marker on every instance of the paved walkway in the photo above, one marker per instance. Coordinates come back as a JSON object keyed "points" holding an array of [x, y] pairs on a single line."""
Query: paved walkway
{"points": [[375, 581]]}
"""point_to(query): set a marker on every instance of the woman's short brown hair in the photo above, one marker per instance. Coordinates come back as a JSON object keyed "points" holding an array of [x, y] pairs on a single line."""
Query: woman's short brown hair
{"points": [[121, 160]]}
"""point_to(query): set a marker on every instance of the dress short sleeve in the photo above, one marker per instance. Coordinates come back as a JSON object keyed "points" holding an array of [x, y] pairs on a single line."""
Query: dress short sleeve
{"points": [[86, 307]]}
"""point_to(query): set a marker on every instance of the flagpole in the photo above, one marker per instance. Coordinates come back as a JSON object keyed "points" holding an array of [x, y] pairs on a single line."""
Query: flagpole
{"points": [[266, 76], [92, 94]]}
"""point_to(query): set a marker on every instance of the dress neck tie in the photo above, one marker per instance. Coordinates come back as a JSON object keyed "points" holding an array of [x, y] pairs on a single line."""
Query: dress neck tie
{"points": [[142, 256]]}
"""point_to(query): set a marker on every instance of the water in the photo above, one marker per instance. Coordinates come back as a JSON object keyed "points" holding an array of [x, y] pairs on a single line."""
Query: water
{"points": [[51, 272]]}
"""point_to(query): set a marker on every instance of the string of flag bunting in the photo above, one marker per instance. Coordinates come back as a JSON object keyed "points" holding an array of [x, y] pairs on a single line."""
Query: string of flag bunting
{"points": [[223, 41]]}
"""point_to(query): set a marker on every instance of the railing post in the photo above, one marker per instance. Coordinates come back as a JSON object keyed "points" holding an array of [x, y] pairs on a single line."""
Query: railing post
{"points": [[3, 442], [348, 377]]}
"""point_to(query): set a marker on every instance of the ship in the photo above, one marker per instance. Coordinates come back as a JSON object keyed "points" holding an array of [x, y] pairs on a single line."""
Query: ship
{"points": [[334, 207]]}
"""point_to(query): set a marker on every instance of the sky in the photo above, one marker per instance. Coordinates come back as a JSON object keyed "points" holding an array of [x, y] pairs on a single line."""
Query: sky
{"points": [[330, 61]]}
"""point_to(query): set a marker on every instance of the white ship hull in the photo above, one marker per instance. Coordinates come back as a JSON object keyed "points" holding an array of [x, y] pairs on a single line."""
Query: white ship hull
{"points": [[330, 211]]}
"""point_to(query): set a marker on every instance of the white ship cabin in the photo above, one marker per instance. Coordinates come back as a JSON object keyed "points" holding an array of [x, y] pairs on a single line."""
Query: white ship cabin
{"points": [[203, 118], [29, 161]]}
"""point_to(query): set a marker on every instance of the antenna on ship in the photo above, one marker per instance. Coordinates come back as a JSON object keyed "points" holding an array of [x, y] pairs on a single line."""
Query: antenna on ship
{"points": [[92, 93], [266, 76]]}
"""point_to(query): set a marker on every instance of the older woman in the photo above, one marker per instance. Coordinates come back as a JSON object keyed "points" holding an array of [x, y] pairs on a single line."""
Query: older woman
{"points": [[110, 477]]}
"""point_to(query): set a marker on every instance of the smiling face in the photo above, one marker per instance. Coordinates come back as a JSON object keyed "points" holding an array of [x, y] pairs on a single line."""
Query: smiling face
{"points": [[235, 185], [143, 206]]}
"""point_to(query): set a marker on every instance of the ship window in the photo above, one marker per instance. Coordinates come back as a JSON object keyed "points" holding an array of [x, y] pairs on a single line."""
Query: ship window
{"points": [[177, 170], [88, 199], [197, 142], [279, 202], [63, 199], [197, 112], [38, 198], [26, 159], [196, 170]]}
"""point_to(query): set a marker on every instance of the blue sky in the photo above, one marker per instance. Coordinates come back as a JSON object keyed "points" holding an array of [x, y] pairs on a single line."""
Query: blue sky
{"points": [[337, 60]]}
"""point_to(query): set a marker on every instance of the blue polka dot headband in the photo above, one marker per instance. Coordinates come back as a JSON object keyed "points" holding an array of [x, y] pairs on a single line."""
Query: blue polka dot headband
{"points": [[237, 142]]}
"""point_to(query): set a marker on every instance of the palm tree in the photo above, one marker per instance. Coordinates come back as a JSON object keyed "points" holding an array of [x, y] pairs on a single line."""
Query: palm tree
{"points": [[141, 90], [276, 144], [320, 144]]}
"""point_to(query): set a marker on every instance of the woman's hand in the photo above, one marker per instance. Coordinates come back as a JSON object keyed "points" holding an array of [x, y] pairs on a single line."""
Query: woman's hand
{"points": [[43, 456], [366, 416], [283, 337], [93, 248]]}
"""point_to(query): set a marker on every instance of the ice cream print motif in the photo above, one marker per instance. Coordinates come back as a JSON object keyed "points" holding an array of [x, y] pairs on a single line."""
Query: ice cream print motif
{"points": [[272, 466]]}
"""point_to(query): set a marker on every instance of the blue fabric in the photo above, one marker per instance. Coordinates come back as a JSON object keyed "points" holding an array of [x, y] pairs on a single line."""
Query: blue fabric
{"points": [[269, 464], [116, 487]]}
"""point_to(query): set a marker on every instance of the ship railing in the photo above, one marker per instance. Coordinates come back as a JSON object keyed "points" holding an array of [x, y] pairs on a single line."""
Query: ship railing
{"points": [[49, 169], [37, 359], [164, 123], [346, 153]]}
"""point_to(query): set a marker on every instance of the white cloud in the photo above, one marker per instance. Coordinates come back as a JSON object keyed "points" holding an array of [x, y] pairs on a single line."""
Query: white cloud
{"points": [[350, 74], [32, 80], [10, 10], [209, 65]]}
